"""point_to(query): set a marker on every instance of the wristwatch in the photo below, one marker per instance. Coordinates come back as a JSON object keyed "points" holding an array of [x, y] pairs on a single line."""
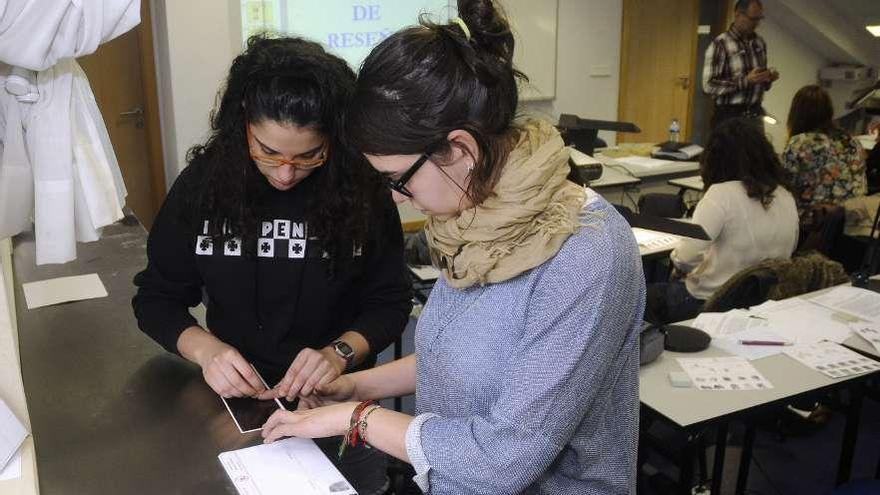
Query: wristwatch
{"points": [[344, 351]]}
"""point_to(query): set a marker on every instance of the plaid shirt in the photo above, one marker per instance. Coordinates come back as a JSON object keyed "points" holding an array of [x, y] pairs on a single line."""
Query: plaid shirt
{"points": [[729, 59]]}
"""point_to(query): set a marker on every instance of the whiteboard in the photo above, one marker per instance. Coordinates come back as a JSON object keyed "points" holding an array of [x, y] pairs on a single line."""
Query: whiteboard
{"points": [[534, 24]]}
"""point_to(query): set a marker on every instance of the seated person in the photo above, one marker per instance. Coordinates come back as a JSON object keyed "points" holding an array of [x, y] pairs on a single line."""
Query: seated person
{"points": [[748, 212], [826, 165]]}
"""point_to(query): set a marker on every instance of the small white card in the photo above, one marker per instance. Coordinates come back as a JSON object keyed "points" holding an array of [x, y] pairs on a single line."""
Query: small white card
{"points": [[12, 434], [832, 360], [724, 373], [291, 465], [62, 290], [425, 272]]}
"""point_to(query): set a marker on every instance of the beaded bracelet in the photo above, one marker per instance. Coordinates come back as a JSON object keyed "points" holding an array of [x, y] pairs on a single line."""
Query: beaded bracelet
{"points": [[362, 424]]}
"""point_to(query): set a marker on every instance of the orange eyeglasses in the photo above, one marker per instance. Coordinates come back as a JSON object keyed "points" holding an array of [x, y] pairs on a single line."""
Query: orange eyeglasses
{"points": [[261, 158]]}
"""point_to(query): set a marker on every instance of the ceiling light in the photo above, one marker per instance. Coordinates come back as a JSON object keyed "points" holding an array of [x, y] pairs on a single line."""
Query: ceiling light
{"points": [[875, 30]]}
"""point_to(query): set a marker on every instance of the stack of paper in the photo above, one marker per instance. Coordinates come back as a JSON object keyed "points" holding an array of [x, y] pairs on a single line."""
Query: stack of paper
{"points": [[832, 359], [851, 300], [724, 373], [292, 465], [868, 331], [641, 162]]}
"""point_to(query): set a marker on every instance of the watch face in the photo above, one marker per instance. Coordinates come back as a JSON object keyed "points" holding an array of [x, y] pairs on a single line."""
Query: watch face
{"points": [[343, 349]]}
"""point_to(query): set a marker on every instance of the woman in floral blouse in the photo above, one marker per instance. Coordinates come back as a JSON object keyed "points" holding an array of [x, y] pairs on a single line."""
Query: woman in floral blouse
{"points": [[826, 164]]}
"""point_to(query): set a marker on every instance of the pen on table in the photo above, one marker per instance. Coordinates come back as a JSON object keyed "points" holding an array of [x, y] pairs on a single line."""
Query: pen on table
{"points": [[765, 342]]}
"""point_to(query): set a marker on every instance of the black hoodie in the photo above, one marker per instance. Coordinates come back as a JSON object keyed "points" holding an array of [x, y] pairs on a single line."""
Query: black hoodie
{"points": [[279, 298]]}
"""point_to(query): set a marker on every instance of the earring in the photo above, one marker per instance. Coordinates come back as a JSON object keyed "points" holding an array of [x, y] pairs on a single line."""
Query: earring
{"points": [[471, 167]]}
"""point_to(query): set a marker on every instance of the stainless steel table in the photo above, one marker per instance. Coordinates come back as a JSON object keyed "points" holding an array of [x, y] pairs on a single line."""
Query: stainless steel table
{"points": [[111, 411]]}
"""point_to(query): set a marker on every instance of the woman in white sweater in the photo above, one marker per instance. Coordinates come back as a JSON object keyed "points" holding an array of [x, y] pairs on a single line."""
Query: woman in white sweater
{"points": [[748, 212]]}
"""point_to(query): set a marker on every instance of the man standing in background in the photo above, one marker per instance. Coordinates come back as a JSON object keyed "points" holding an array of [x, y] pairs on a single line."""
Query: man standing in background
{"points": [[735, 73]]}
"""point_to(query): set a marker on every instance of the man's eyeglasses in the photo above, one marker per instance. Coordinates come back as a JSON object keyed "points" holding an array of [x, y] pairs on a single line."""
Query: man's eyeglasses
{"points": [[260, 158], [399, 185]]}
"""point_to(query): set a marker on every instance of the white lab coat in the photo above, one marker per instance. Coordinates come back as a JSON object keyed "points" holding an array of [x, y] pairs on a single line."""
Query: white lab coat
{"points": [[56, 162]]}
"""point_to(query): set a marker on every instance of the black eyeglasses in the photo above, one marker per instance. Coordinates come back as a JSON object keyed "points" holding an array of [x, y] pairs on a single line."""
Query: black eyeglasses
{"points": [[399, 185]]}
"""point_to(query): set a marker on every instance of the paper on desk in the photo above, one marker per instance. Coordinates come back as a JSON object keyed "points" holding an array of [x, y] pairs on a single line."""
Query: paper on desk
{"points": [[292, 465], [852, 300], [12, 469], [653, 239], [724, 373], [832, 359], [64, 289], [12, 434], [642, 162], [801, 321], [727, 329], [425, 272], [867, 331]]}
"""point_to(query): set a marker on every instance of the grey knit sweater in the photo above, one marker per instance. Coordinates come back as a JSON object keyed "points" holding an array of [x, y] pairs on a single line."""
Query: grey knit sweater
{"points": [[531, 385]]}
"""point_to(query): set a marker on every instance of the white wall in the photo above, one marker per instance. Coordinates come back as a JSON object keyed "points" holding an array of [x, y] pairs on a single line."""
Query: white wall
{"points": [[798, 66], [195, 43], [588, 38]]}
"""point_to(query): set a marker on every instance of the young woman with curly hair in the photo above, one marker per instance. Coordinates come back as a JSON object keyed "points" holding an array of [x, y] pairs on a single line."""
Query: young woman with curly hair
{"points": [[289, 236]]}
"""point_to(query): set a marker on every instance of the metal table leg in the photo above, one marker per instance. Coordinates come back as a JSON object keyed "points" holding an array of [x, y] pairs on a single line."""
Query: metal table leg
{"points": [[745, 459], [718, 462]]}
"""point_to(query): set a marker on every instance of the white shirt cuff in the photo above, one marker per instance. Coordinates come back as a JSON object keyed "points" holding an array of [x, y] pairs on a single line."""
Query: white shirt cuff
{"points": [[416, 454]]}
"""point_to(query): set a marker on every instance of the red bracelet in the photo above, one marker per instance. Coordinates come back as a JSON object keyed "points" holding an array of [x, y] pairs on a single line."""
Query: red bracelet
{"points": [[353, 436]]}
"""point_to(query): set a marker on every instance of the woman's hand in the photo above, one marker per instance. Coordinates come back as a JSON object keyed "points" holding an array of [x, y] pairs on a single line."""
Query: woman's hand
{"points": [[342, 389], [311, 368], [227, 372], [328, 421]]}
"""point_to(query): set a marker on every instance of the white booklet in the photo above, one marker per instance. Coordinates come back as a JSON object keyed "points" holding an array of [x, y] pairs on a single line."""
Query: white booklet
{"points": [[291, 465]]}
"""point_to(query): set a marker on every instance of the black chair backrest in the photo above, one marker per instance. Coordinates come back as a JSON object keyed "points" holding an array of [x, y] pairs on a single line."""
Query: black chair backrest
{"points": [[751, 290], [662, 205], [821, 227]]}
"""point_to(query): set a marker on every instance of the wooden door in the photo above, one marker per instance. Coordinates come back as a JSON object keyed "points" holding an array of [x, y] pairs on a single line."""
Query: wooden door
{"points": [[122, 75], [658, 55]]}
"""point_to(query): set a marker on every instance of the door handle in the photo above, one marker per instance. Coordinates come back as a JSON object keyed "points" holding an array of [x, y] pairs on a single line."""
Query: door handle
{"points": [[137, 114]]}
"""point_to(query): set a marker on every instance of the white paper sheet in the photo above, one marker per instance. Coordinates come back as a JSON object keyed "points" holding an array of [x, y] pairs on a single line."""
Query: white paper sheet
{"points": [[292, 465], [642, 162], [64, 289], [802, 322], [652, 239], [833, 360], [12, 469], [852, 300], [724, 373], [727, 329], [12, 434]]}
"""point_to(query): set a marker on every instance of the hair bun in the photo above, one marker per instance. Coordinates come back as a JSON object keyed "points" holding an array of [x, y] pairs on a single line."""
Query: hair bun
{"points": [[490, 31]]}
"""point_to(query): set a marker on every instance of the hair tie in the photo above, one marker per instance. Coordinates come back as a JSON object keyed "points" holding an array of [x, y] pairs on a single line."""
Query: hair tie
{"points": [[463, 26]]}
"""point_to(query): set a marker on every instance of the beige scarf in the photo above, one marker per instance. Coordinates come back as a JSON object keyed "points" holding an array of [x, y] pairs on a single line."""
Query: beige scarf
{"points": [[533, 210]]}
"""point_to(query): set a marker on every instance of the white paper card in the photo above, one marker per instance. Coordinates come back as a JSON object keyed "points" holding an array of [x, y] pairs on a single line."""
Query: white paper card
{"points": [[832, 360], [869, 332], [12, 469], [64, 289], [12, 434], [724, 373], [292, 465]]}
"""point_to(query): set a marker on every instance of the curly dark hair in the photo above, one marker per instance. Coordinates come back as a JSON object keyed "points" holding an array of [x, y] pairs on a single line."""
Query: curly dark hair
{"points": [[289, 81], [738, 150]]}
